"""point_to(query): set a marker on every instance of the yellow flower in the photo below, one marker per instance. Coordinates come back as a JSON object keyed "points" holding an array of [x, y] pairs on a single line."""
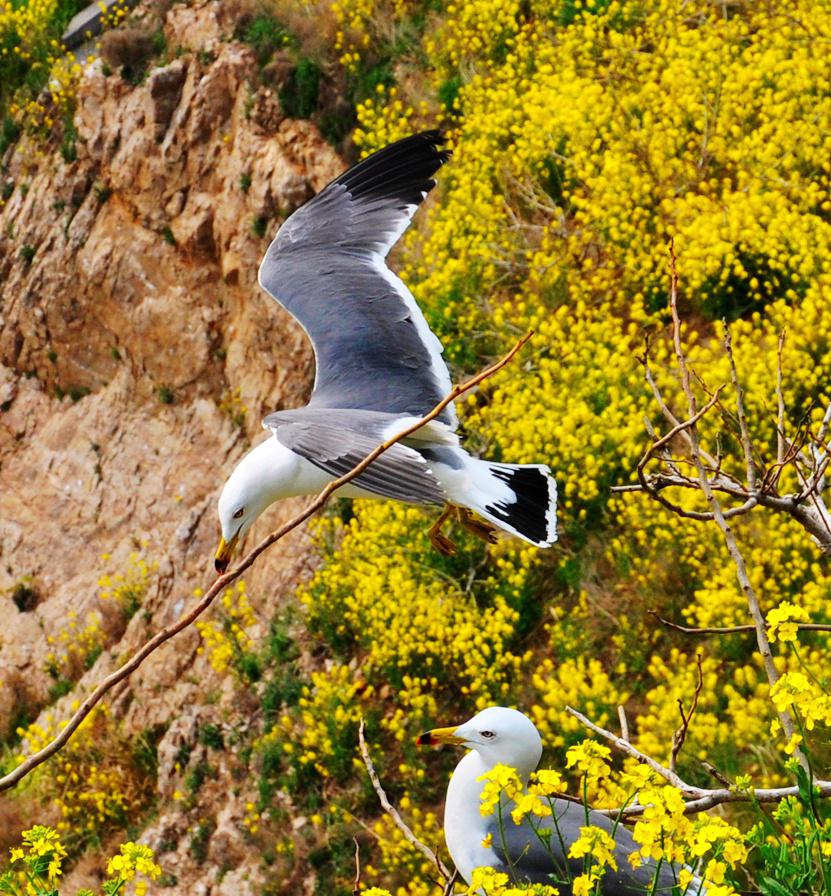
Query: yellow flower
{"points": [[597, 843], [500, 780], [783, 621], [529, 804], [589, 757]]}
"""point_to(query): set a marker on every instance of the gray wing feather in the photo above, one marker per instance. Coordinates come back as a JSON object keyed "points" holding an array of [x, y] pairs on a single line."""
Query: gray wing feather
{"points": [[400, 472], [534, 857], [372, 345]]}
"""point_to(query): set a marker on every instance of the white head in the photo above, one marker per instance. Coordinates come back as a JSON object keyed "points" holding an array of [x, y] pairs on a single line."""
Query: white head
{"points": [[252, 487], [501, 736]]}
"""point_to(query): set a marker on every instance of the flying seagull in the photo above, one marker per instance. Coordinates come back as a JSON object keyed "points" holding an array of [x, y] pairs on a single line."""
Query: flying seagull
{"points": [[379, 368], [500, 736]]}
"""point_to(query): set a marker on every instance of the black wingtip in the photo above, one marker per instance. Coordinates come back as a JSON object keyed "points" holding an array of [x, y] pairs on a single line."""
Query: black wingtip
{"points": [[405, 167]]}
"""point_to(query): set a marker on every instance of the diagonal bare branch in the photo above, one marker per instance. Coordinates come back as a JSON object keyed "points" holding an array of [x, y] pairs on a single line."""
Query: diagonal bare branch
{"points": [[393, 813], [124, 671]]}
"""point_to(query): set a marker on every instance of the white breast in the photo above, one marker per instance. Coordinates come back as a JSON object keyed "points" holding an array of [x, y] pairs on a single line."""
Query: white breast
{"points": [[464, 826]]}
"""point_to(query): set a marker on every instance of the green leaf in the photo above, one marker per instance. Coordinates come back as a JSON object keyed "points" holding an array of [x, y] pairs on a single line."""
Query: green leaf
{"points": [[771, 887]]}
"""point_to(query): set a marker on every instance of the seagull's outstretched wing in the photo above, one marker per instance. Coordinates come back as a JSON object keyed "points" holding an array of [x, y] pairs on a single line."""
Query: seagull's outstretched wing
{"points": [[373, 348], [341, 444], [530, 856]]}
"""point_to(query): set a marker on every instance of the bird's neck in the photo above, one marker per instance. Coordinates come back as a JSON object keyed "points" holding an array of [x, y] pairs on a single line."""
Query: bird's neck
{"points": [[464, 826], [269, 471]]}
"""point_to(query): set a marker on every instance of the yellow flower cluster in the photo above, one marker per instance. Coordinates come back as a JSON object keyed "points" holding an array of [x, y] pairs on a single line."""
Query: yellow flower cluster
{"points": [[31, 53], [499, 781], [410, 620], [35, 867], [783, 621], [586, 134], [41, 856], [496, 883], [128, 589], [663, 832], [396, 852], [134, 861], [232, 405], [228, 638], [93, 782], [324, 736], [596, 847], [75, 648]]}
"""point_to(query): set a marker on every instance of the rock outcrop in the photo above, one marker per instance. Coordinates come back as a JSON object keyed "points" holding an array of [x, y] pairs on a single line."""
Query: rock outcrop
{"points": [[132, 335]]}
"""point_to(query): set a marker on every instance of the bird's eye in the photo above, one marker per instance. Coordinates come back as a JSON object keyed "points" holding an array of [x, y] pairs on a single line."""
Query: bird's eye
{"points": [[487, 734], [239, 513]]}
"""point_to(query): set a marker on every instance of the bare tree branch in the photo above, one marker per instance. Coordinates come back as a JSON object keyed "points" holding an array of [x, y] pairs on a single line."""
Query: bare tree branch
{"points": [[36, 759], [698, 798], [733, 629], [624, 723], [393, 813], [680, 734], [780, 404], [356, 889], [745, 434], [807, 506], [785, 717]]}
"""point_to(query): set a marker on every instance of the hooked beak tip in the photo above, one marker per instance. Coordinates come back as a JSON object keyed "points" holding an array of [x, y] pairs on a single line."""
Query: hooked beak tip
{"points": [[220, 565]]}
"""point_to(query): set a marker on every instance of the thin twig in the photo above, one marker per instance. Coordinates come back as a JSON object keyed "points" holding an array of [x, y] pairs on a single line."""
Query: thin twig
{"points": [[745, 434], [732, 629], [356, 889], [712, 770], [388, 807], [680, 734], [780, 404], [624, 723], [625, 747], [36, 759], [451, 883], [698, 798], [785, 717]]}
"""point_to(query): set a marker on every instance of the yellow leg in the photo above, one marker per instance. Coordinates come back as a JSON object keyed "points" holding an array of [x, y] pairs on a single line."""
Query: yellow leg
{"points": [[437, 538], [475, 526]]}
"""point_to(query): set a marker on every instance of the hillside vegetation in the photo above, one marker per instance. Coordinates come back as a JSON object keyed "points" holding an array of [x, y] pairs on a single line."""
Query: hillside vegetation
{"points": [[586, 135]]}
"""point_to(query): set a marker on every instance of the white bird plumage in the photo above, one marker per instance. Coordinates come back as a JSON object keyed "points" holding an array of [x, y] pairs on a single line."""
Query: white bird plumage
{"points": [[378, 366], [501, 736]]}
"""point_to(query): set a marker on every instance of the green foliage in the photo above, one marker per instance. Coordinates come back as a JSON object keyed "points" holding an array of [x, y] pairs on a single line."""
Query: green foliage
{"points": [[448, 92], [69, 152], [27, 50], [197, 775], [211, 736], [259, 225], [9, 132], [265, 33], [299, 96], [102, 193], [24, 595], [792, 843], [200, 838], [27, 253]]}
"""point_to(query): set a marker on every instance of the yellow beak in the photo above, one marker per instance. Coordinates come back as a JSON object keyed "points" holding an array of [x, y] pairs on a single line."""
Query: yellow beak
{"points": [[224, 553], [440, 736]]}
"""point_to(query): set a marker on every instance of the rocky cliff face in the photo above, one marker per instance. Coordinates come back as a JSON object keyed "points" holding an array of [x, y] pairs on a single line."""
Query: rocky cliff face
{"points": [[129, 315]]}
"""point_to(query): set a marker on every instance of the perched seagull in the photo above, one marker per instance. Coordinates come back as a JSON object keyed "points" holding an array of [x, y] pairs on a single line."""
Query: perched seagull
{"points": [[500, 736], [379, 368]]}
